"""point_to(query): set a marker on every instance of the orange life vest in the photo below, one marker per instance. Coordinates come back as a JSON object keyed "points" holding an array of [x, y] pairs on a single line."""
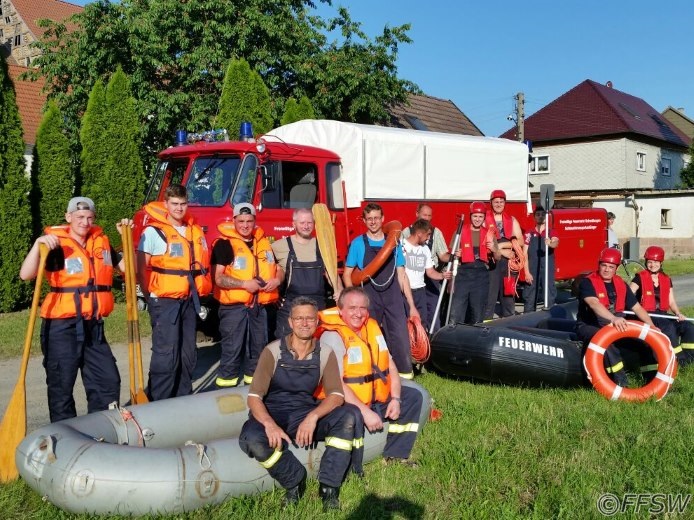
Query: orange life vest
{"points": [[186, 259], [256, 262], [507, 220], [466, 245], [601, 291], [366, 361], [648, 291], [83, 285]]}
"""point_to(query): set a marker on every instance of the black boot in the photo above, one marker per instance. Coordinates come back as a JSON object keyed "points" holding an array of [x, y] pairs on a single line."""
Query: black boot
{"points": [[330, 497], [294, 494]]}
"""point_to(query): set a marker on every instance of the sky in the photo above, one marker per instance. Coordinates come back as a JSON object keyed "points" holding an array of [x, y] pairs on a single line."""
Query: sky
{"points": [[480, 54]]}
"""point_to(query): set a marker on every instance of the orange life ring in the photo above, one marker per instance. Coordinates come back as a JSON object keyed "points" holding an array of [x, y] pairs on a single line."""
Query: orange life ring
{"points": [[392, 230], [656, 340]]}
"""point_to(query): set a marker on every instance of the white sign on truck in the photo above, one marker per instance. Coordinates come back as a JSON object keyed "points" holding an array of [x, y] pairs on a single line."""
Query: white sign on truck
{"points": [[380, 163]]}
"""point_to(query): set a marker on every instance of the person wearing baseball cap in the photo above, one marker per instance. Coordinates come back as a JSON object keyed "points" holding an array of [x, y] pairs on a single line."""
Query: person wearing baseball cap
{"points": [[506, 229], [79, 271], [246, 280], [477, 247]]}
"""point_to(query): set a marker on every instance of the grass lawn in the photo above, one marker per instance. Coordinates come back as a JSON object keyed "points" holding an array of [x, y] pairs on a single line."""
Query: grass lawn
{"points": [[498, 452]]}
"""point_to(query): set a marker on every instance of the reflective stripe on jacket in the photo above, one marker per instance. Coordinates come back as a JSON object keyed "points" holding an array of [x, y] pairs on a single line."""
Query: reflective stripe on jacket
{"points": [[84, 283], [187, 257], [256, 262], [366, 360]]}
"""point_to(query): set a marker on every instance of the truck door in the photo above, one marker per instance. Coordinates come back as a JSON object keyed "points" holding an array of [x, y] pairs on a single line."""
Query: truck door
{"points": [[286, 186]]}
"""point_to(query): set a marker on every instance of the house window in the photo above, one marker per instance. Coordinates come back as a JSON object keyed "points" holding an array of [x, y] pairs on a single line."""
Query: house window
{"points": [[8, 20], [18, 40], [666, 218], [641, 161], [665, 167], [539, 164]]}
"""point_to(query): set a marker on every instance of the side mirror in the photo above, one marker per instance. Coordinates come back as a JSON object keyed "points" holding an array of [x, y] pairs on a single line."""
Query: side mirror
{"points": [[268, 180]]}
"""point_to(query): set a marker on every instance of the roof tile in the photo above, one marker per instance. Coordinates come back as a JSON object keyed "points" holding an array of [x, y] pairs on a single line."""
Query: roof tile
{"points": [[591, 109], [433, 114], [30, 101], [31, 11]]}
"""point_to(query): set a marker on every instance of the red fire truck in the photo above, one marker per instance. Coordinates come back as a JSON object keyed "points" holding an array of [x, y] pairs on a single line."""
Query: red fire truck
{"points": [[347, 165]]}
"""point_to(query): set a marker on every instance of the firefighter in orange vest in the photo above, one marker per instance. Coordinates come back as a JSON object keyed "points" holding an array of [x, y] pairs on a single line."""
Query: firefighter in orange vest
{"points": [[174, 272], [654, 290], [79, 271], [506, 229], [477, 246], [602, 300], [370, 378], [245, 282]]}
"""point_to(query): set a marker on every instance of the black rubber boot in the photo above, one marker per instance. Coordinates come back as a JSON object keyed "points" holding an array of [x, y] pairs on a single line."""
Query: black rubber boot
{"points": [[294, 494], [329, 496]]}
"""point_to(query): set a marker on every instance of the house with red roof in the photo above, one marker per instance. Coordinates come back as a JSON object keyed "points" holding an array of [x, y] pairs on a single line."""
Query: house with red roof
{"points": [[30, 102], [19, 26], [601, 147]]}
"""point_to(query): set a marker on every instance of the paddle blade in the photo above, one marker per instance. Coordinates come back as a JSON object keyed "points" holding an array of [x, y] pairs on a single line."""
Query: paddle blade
{"points": [[12, 430], [325, 235], [14, 424]]}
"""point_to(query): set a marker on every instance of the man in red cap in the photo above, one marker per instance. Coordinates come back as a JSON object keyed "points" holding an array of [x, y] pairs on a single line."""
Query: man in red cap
{"points": [[477, 246], [506, 229], [602, 300]]}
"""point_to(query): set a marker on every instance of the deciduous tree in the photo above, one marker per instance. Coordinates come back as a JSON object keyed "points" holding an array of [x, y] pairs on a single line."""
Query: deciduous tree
{"points": [[176, 52]]}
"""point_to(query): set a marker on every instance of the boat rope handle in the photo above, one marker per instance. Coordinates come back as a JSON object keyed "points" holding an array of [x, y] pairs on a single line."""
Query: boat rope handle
{"points": [[205, 462], [127, 415]]}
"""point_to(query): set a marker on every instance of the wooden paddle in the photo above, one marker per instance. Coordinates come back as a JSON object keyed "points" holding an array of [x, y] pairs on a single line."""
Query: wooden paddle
{"points": [[129, 316], [14, 423], [137, 392], [325, 235]]}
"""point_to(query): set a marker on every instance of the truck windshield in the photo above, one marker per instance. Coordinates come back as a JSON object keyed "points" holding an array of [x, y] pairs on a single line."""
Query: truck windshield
{"points": [[210, 180], [171, 171]]}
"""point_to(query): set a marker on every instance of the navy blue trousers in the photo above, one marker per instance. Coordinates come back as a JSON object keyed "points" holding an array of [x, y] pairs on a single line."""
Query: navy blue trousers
{"points": [[65, 353]]}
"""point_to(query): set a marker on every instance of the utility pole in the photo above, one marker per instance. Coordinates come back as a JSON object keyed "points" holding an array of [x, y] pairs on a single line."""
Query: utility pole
{"points": [[520, 116]]}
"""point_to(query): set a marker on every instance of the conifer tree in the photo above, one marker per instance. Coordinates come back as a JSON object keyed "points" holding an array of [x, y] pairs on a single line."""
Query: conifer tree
{"points": [[52, 177], [294, 111], [244, 98], [93, 141], [15, 211], [120, 186], [291, 112]]}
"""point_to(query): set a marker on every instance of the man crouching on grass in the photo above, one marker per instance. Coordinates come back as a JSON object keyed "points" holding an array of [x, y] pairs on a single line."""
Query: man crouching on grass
{"points": [[370, 378], [283, 406]]}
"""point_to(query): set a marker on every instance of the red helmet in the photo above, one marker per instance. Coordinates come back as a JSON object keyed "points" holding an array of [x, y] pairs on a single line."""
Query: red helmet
{"points": [[611, 255], [478, 207], [654, 253], [498, 194]]}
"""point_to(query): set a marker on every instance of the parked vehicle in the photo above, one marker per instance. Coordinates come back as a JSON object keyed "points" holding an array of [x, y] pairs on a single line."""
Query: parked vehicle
{"points": [[346, 166]]}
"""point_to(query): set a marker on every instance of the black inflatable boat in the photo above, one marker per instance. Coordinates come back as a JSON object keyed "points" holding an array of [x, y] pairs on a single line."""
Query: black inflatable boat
{"points": [[534, 349]]}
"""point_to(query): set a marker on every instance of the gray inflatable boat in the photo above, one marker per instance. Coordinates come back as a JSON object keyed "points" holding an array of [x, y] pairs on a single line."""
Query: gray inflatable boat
{"points": [[169, 456]]}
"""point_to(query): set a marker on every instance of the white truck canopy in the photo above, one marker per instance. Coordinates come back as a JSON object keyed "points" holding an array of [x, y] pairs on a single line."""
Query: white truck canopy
{"points": [[380, 163]]}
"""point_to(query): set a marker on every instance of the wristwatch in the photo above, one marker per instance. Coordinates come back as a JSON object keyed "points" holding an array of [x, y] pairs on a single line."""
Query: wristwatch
{"points": [[396, 399]]}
